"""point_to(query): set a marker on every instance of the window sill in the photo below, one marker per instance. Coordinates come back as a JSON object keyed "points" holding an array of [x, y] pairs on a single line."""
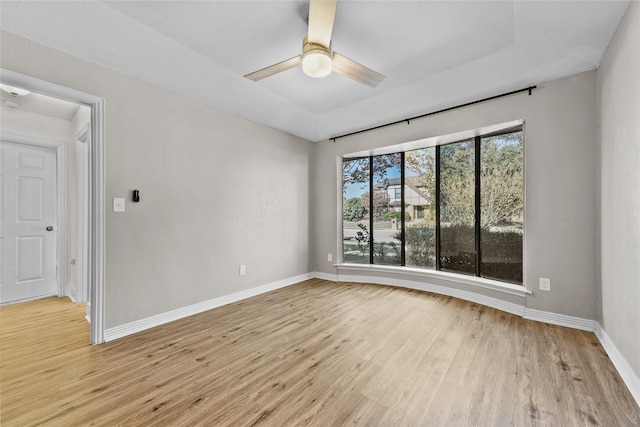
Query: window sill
{"points": [[493, 285]]}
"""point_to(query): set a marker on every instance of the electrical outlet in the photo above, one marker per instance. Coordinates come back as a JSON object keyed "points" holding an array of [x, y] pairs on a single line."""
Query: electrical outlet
{"points": [[545, 284], [243, 270], [329, 257]]}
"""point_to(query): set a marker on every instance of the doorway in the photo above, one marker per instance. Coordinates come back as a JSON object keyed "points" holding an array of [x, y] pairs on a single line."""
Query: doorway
{"points": [[95, 212]]}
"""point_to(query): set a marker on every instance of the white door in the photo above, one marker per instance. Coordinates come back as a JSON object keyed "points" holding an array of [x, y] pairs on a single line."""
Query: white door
{"points": [[28, 228]]}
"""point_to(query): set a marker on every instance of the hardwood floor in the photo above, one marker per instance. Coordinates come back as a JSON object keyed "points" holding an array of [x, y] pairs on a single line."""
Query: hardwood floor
{"points": [[316, 353]]}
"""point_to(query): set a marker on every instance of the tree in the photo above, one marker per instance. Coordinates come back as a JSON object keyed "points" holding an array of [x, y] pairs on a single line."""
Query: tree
{"points": [[380, 203], [502, 180], [352, 210], [423, 164], [355, 171], [457, 183]]}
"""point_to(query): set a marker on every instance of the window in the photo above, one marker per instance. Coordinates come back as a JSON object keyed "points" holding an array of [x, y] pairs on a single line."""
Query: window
{"points": [[456, 207], [456, 168], [420, 212], [502, 206], [385, 222], [355, 210]]}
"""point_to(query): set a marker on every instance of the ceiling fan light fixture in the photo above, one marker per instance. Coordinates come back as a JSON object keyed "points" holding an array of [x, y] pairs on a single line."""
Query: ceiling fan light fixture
{"points": [[316, 63], [316, 60]]}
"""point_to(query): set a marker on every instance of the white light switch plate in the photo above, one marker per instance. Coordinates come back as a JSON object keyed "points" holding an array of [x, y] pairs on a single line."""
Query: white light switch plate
{"points": [[118, 204], [545, 284]]}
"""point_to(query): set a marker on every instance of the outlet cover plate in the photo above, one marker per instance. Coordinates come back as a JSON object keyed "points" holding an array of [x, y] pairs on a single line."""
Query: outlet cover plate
{"points": [[545, 284]]}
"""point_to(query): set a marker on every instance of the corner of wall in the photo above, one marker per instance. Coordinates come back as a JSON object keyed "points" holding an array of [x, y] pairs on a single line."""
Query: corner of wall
{"points": [[618, 107]]}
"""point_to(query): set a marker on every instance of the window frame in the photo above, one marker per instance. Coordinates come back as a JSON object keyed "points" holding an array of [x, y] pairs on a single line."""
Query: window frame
{"points": [[436, 142]]}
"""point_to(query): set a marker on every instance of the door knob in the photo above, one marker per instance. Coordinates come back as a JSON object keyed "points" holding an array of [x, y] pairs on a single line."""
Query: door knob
{"points": [[49, 228]]}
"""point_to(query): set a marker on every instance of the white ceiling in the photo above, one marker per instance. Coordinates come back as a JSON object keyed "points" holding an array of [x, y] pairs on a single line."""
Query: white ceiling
{"points": [[434, 54]]}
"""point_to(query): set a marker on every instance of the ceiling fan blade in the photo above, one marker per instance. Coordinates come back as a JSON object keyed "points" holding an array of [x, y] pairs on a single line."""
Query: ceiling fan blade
{"points": [[321, 16], [353, 70], [275, 69]]}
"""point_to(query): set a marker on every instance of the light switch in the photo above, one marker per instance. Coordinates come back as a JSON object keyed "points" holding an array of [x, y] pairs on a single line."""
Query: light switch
{"points": [[118, 204]]}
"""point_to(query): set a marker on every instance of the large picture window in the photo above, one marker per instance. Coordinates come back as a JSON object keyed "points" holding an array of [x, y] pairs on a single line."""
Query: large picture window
{"points": [[456, 207]]}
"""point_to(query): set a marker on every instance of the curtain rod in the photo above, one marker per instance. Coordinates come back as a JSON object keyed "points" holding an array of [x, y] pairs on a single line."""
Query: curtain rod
{"points": [[529, 89]]}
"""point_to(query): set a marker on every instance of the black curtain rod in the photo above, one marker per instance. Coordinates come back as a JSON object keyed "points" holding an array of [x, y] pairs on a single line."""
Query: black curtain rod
{"points": [[529, 89]]}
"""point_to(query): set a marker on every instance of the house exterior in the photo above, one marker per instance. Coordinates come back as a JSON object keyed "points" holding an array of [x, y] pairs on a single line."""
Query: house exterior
{"points": [[418, 201]]}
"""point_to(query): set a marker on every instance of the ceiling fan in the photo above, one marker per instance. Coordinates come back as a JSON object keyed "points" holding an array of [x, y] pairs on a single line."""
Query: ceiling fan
{"points": [[317, 58]]}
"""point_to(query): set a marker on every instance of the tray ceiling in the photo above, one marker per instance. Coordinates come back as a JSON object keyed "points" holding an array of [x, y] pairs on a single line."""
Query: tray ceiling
{"points": [[434, 54]]}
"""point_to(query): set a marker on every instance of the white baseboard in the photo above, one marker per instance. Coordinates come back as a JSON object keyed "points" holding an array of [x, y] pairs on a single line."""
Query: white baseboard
{"points": [[629, 377], [160, 319], [20, 301], [71, 291], [325, 276], [560, 319]]}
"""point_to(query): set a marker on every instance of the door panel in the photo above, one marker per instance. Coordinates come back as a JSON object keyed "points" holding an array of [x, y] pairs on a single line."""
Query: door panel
{"points": [[28, 250], [30, 161], [30, 199], [30, 258]]}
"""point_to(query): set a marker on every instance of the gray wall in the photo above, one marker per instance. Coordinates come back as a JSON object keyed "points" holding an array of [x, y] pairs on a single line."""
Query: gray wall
{"points": [[618, 89], [560, 162], [216, 191]]}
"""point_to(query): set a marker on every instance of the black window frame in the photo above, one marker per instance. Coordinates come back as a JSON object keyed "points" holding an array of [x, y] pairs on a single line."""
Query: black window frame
{"points": [[477, 201]]}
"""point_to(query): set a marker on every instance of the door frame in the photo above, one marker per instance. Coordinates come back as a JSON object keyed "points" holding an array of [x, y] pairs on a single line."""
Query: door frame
{"points": [[61, 200], [82, 142], [96, 214]]}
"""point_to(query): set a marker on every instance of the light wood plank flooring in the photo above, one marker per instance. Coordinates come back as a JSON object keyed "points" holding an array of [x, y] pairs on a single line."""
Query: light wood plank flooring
{"points": [[316, 353]]}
